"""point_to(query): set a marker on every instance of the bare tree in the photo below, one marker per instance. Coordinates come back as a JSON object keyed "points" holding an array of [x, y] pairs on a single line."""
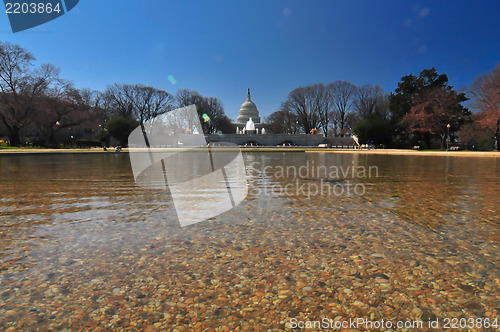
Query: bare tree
{"points": [[210, 111], [137, 101], [62, 108], [15, 63], [371, 100], [116, 101], [342, 96], [303, 102], [185, 97], [485, 91], [21, 88], [92, 98], [151, 102], [283, 121], [322, 105]]}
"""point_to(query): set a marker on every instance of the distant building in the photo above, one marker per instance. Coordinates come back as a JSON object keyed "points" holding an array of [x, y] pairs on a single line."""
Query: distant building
{"points": [[248, 110], [250, 132], [248, 121]]}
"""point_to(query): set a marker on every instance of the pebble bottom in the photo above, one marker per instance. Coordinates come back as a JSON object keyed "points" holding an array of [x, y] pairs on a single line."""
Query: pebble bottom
{"points": [[116, 264]]}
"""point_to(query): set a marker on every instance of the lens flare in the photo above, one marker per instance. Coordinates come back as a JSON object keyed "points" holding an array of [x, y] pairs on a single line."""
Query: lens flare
{"points": [[172, 79]]}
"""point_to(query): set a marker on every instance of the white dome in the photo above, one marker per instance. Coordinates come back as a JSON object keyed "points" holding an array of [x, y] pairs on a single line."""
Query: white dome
{"points": [[248, 110]]}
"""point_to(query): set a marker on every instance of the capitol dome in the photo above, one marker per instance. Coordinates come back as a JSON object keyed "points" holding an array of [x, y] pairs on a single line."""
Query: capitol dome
{"points": [[248, 110]]}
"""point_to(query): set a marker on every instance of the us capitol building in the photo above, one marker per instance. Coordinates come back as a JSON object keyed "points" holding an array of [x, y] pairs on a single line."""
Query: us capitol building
{"points": [[248, 121], [251, 132]]}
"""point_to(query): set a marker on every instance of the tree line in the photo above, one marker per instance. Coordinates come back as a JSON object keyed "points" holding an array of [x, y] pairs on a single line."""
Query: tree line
{"points": [[334, 108], [423, 111], [37, 105]]}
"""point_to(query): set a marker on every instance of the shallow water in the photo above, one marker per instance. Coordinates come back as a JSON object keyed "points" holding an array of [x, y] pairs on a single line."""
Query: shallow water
{"points": [[83, 247]]}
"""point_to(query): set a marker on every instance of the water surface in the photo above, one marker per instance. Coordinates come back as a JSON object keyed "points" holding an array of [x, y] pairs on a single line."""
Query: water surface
{"points": [[83, 247]]}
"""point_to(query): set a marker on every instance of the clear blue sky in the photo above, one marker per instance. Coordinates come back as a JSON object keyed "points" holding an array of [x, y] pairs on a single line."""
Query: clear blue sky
{"points": [[221, 48]]}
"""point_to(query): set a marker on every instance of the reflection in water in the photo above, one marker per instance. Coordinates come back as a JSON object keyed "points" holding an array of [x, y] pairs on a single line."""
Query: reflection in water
{"points": [[82, 247]]}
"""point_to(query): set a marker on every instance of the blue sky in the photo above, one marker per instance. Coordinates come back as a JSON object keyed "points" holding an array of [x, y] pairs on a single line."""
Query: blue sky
{"points": [[221, 48]]}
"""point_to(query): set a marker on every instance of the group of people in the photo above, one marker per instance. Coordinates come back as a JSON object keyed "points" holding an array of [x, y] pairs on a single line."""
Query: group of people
{"points": [[118, 148]]}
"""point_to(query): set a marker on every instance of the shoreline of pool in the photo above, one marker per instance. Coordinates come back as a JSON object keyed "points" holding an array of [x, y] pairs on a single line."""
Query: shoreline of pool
{"points": [[51, 151], [401, 152]]}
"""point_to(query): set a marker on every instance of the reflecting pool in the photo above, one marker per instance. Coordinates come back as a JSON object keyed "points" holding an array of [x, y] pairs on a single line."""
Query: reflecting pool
{"points": [[321, 237]]}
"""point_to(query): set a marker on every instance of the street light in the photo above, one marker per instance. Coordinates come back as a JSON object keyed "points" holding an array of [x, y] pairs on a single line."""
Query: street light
{"points": [[448, 137], [497, 136]]}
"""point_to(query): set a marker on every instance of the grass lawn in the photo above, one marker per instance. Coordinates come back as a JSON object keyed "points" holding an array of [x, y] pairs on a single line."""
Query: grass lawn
{"points": [[5, 146]]}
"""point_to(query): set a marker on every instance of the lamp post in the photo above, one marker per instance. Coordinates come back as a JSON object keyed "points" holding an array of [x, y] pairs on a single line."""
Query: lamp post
{"points": [[53, 136], [497, 136], [448, 137]]}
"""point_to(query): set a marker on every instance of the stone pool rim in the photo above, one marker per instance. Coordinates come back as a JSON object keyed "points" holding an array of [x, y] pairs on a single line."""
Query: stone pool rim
{"points": [[402, 152]]}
